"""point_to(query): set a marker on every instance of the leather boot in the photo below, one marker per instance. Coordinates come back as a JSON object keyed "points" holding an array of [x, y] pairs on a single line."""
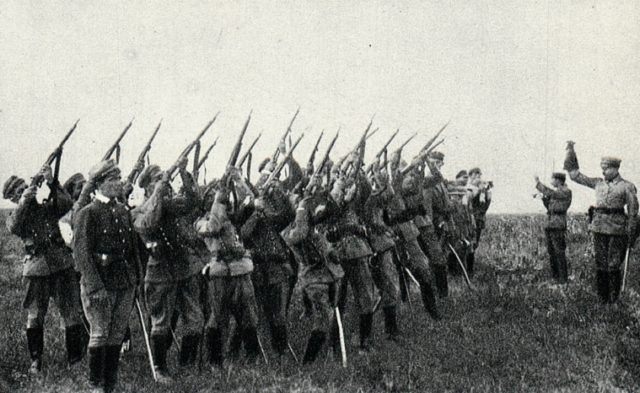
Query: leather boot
{"points": [[366, 323], [35, 345], [314, 345], [563, 271], [96, 366], [279, 339], [214, 348], [602, 283], [429, 300], [189, 350], [391, 322], [160, 344], [251, 344], [471, 259], [235, 346], [440, 274], [615, 284], [73, 337], [111, 362]]}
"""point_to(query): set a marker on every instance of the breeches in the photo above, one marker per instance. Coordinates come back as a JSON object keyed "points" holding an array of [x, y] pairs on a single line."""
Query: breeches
{"points": [[319, 298], [358, 275], [415, 260], [163, 299], [108, 318], [609, 250], [431, 246], [63, 287], [385, 276], [232, 296], [272, 288]]}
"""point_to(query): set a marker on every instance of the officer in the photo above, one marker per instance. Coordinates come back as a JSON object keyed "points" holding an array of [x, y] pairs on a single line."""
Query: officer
{"points": [[105, 249], [614, 229], [48, 266], [480, 201], [557, 201]]}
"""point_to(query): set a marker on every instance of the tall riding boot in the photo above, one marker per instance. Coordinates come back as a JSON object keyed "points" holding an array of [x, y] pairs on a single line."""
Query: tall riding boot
{"points": [[160, 344], [602, 282], [35, 345], [235, 346], [471, 259], [563, 273], [214, 347], [111, 362], [615, 284], [429, 300], [74, 342], [251, 343], [96, 366], [314, 345], [440, 274], [189, 349], [391, 322], [366, 322], [279, 339]]}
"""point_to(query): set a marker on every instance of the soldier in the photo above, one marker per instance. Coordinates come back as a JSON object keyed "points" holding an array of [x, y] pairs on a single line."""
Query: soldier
{"points": [[231, 291], [480, 202], [105, 249], [614, 230], [557, 202], [271, 255], [319, 274], [48, 266], [462, 237], [172, 282]]}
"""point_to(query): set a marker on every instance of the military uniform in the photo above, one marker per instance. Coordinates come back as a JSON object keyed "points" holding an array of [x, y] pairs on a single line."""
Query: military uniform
{"points": [[48, 270], [319, 274], [382, 240], [272, 257], [231, 291], [172, 282], [479, 202], [462, 236], [613, 229], [105, 249], [557, 202], [400, 217]]}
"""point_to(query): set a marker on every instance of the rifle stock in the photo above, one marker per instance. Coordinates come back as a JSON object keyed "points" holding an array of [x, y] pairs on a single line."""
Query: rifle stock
{"points": [[274, 157], [56, 154], [312, 158], [233, 159], [116, 145], [135, 172]]}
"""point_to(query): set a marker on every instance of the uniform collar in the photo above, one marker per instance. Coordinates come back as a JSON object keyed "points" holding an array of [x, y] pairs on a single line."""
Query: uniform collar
{"points": [[615, 180], [101, 198]]}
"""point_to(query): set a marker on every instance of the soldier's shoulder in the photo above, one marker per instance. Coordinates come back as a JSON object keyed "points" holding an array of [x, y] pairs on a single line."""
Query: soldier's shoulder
{"points": [[629, 185]]}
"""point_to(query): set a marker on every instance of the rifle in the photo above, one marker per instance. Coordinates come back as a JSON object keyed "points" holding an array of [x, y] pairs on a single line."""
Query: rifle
{"points": [[116, 145], [195, 144], [233, 159], [381, 152], [312, 158], [360, 145], [246, 153], [276, 172], [424, 153], [135, 172], [55, 156], [205, 156], [274, 157], [323, 163], [430, 142]]}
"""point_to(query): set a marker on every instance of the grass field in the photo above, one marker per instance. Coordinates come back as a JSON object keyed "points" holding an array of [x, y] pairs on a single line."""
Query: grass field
{"points": [[516, 333]]}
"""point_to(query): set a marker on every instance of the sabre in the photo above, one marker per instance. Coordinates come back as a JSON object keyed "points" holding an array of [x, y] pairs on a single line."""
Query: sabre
{"points": [[146, 340], [343, 348], [624, 271], [293, 353]]}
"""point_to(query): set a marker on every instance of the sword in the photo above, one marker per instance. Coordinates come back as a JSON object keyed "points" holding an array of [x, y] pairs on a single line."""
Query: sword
{"points": [[293, 353], [264, 355], [464, 270], [146, 340], [624, 271], [343, 348]]}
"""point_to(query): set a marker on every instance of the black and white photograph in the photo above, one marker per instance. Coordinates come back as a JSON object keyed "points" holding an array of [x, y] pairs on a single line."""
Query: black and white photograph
{"points": [[319, 196]]}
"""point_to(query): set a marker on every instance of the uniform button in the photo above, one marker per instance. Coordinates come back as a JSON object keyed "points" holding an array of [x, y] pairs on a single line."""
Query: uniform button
{"points": [[105, 231]]}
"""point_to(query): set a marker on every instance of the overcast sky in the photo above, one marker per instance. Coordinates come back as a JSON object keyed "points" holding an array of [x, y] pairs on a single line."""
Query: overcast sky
{"points": [[516, 78]]}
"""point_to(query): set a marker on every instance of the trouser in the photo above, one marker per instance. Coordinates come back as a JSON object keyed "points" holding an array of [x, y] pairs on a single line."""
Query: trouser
{"points": [[358, 275], [385, 277], [108, 318], [320, 297], [431, 246], [164, 299], [556, 247], [414, 260], [63, 287], [610, 251], [272, 281]]}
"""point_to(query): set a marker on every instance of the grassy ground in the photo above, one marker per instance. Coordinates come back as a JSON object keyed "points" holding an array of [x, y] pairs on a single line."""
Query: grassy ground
{"points": [[516, 333]]}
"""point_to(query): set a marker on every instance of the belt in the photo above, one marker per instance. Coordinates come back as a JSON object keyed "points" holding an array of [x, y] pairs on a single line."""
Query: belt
{"points": [[607, 210], [108, 259], [556, 214]]}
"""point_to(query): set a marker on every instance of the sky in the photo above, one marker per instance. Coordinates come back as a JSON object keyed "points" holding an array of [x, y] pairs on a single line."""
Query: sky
{"points": [[516, 80]]}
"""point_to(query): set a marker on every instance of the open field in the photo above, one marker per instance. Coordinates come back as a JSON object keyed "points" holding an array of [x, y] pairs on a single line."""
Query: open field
{"points": [[516, 333]]}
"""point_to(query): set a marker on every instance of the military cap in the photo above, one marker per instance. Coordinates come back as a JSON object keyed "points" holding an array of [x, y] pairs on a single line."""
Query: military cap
{"points": [[76, 178], [475, 170], [12, 185], [263, 164], [612, 162], [104, 170], [149, 174], [436, 155], [559, 175], [461, 174]]}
